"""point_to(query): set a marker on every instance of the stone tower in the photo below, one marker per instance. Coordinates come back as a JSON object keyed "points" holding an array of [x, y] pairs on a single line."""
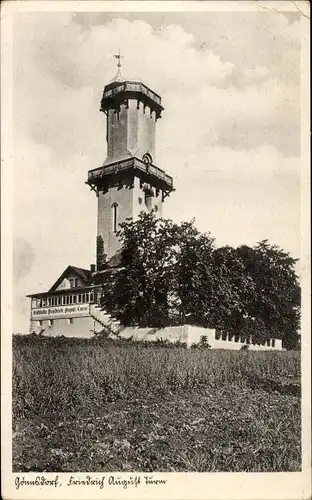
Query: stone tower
{"points": [[129, 181]]}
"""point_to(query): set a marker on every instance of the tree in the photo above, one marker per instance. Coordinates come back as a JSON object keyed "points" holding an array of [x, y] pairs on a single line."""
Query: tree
{"points": [[138, 294], [160, 273], [276, 298], [233, 289], [173, 274], [100, 255]]}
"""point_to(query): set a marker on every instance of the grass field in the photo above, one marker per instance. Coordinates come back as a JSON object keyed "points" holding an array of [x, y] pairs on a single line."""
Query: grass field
{"points": [[84, 405]]}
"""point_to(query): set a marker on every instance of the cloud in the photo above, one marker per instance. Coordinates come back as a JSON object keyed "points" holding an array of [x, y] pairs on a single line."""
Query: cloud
{"points": [[240, 196], [61, 70]]}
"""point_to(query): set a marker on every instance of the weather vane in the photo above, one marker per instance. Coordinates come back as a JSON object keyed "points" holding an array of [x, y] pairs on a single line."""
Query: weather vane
{"points": [[118, 57]]}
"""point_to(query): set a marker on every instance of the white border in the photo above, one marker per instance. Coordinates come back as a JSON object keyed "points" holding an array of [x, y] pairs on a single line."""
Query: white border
{"points": [[179, 485]]}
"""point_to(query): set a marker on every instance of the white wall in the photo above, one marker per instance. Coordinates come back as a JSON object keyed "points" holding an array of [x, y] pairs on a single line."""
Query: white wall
{"points": [[83, 327]]}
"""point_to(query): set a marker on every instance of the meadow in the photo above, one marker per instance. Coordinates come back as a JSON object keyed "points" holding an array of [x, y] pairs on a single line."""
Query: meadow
{"points": [[91, 405]]}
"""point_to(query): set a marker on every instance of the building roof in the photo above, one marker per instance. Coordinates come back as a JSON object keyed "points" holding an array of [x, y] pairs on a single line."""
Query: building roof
{"points": [[88, 278], [65, 291], [112, 266], [115, 260], [84, 274]]}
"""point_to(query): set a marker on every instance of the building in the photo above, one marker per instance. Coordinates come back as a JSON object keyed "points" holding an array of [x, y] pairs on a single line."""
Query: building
{"points": [[128, 182]]}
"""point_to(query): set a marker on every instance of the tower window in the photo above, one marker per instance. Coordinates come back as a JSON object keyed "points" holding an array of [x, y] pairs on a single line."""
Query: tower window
{"points": [[115, 216], [148, 193], [117, 114]]}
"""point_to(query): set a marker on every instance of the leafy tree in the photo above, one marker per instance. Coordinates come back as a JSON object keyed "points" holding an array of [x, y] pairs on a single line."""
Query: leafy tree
{"points": [[138, 294], [172, 274], [275, 299]]}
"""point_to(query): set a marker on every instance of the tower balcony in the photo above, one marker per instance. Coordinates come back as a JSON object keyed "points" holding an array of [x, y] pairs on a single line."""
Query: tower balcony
{"points": [[117, 92], [103, 176]]}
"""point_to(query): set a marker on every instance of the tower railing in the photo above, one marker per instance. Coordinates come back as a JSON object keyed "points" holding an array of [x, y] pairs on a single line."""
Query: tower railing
{"points": [[132, 87], [98, 173]]}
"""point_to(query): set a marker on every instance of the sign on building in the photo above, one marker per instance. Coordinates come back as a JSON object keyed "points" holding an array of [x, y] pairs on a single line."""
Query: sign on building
{"points": [[60, 312]]}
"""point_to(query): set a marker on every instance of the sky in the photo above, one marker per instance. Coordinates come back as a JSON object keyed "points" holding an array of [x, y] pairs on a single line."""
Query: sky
{"points": [[229, 134]]}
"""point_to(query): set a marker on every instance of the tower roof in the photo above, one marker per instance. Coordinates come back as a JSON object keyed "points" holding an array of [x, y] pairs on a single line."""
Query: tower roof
{"points": [[120, 89], [118, 77], [117, 92]]}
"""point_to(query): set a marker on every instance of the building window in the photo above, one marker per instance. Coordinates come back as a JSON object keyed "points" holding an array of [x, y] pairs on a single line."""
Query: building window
{"points": [[51, 322], [74, 299], [79, 299], [71, 282], [115, 216], [217, 335], [70, 321], [39, 322], [236, 338], [148, 193], [92, 297], [140, 201], [76, 282], [273, 342]]}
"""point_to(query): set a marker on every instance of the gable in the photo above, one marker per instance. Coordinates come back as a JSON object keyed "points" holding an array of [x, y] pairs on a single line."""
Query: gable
{"points": [[72, 277]]}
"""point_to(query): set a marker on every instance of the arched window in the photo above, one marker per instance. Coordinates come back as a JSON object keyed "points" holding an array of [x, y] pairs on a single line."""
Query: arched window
{"points": [[115, 216]]}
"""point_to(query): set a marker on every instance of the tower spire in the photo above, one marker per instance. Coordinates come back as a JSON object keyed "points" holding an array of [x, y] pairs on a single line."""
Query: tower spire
{"points": [[118, 75]]}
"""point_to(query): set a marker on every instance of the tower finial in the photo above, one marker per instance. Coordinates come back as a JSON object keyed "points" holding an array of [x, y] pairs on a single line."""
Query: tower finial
{"points": [[119, 57], [118, 77]]}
